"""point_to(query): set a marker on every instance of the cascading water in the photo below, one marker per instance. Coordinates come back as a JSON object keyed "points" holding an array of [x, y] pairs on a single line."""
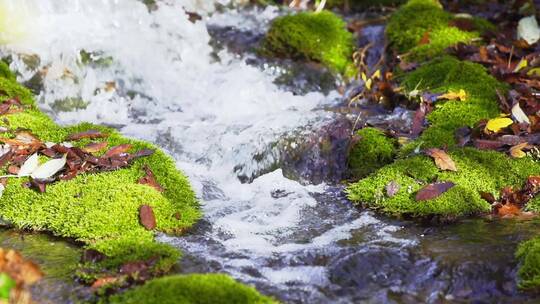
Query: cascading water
{"points": [[153, 75]]}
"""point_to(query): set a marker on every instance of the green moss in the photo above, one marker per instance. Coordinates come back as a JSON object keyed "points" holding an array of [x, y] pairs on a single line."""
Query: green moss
{"points": [[529, 272], [100, 210], [5, 72], [192, 289], [321, 37], [447, 74], [413, 20], [373, 150], [485, 171]]}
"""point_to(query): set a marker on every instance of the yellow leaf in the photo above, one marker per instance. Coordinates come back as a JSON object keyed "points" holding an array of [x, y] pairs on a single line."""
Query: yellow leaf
{"points": [[497, 124], [403, 140], [364, 77], [451, 95], [376, 75], [517, 150], [534, 72], [521, 65], [368, 84]]}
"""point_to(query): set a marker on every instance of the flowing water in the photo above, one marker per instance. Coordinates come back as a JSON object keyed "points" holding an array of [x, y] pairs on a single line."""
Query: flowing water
{"points": [[156, 75]]}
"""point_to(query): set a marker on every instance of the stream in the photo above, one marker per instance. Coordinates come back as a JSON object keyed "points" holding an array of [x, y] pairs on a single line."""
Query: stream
{"points": [[246, 130]]}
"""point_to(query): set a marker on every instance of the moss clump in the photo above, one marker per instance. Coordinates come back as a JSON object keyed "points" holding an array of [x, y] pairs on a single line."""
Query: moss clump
{"points": [[529, 272], [100, 210], [478, 171], [448, 74], [190, 289], [373, 150], [413, 20], [321, 37]]}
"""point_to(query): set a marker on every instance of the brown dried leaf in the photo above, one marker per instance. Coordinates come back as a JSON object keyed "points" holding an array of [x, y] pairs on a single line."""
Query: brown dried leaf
{"points": [[24, 272], [425, 38], [442, 159], [91, 134], [146, 217], [508, 210], [95, 147], [104, 282], [434, 190], [150, 179], [117, 150]]}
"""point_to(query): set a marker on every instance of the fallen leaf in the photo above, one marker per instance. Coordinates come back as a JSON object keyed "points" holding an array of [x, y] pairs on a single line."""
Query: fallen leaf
{"points": [[519, 115], [442, 159], [29, 166], [523, 63], [418, 120], [49, 168], [497, 124], [117, 150], [104, 282], [95, 147], [146, 217], [528, 30], [91, 134], [150, 179], [508, 210], [425, 38], [392, 188], [461, 95], [434, 190], [517, 150]]}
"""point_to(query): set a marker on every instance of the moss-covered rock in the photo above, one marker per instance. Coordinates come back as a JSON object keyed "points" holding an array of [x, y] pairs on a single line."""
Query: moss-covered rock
{"points": [[529, 272], [320, 37], [419, 19], [448, 74], [192, 289], [478, 171], [372, 151], [100, 210]]}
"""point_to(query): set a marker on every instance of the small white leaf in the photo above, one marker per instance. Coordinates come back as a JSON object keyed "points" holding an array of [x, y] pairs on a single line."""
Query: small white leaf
{"points": [[528, 30], [519, 115], [2, 188], [29, 166], [49, 168]]}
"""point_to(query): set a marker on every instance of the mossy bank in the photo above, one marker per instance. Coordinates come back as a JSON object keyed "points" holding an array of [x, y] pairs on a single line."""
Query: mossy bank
{"points": [[100, 210]]}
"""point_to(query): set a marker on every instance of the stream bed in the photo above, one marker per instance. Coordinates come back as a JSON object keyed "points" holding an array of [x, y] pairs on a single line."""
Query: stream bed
{"points": [[246, 132]]}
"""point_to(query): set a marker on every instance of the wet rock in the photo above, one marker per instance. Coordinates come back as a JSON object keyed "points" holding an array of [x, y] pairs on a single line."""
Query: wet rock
{"points": [[319, 157]]}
